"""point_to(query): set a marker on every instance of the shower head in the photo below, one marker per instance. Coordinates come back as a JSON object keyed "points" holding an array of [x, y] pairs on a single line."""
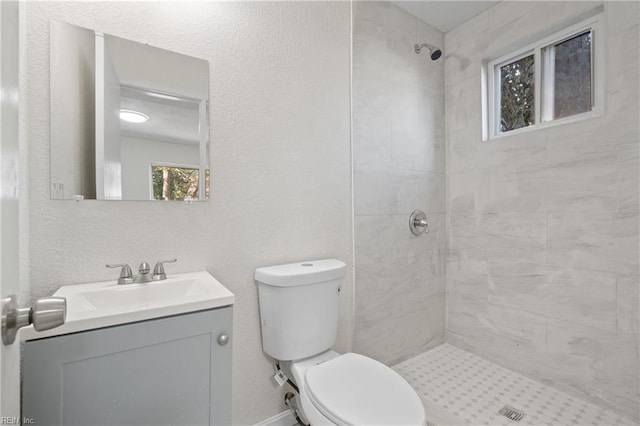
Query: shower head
{"points": [[434, 52]]}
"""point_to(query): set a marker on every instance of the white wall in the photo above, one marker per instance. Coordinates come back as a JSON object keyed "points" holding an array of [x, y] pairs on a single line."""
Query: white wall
{"points": [[280, 157], [542, 268], [137, 156], [398, 143]]}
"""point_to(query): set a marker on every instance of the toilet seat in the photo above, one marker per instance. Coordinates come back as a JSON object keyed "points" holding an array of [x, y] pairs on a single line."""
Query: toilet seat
{"points": [[353, 389]]}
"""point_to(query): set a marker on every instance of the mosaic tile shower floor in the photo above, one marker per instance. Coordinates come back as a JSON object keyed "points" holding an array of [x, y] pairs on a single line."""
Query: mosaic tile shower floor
{"points": [[460, 388]]}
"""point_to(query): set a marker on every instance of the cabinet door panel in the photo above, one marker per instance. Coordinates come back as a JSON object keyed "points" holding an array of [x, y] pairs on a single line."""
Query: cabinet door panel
{"points": [[168, 371]]}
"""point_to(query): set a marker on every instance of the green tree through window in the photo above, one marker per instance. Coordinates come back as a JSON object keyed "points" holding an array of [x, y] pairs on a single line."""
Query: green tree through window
{"points": [[177, 183], [517, 90]]}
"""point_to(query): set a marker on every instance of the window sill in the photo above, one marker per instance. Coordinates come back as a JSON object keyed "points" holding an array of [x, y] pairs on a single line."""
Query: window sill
{"points": [[547, 124]]}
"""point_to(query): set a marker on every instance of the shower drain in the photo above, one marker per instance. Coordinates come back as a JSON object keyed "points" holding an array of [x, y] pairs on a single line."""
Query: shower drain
{"points": [[511, 413]]}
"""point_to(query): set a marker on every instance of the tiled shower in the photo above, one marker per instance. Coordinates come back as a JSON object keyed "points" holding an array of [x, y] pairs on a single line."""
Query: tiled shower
{"points": [[532, 258], [399, 166]]}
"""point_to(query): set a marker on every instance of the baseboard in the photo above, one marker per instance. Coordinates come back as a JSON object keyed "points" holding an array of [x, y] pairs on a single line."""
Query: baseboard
{"points": [[285, 418]]}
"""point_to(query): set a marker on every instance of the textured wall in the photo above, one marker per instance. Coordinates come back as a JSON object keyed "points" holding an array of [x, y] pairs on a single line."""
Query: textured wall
{"points": [[542, 264], [280, 157], [398, 143]]}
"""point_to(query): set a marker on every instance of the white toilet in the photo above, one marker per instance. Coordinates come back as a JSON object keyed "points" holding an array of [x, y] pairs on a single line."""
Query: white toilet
{"points": [[299, 308]]}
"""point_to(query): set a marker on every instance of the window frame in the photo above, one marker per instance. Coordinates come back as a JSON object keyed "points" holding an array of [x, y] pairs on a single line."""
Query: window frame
{"points": [[543, 91]]}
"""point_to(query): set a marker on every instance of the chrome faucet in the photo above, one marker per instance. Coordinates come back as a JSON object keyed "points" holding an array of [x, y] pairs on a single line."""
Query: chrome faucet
{"points": [[126, 276], [144, 272]]}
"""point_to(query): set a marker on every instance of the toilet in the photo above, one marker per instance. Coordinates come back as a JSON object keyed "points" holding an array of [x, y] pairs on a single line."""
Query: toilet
{"points": [[299, 309]]}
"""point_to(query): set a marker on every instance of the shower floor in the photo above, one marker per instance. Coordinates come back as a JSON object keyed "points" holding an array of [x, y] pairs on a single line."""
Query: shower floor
{"points": [[459, 388]]}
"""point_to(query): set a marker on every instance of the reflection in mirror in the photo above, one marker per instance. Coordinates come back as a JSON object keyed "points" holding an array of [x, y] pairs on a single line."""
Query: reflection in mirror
{"points": [[128, 121]]}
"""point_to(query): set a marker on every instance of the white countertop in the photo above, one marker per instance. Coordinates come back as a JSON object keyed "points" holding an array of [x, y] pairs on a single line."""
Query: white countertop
{"points": [[104, 304]]}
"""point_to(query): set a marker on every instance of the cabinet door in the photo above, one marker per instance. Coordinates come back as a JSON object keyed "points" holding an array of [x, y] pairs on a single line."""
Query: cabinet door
{"points": [[168, 371]]}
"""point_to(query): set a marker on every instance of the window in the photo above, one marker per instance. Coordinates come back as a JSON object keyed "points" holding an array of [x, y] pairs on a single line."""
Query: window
{"points": [[177, 183], [555, 80]]}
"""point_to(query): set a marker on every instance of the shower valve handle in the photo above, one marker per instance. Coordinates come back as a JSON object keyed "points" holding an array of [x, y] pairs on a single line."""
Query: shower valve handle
{"points": [[418, 224]]}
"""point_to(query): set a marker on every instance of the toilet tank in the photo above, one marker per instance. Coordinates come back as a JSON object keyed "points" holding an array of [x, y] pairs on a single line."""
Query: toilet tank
{"points": [[299, 307]]}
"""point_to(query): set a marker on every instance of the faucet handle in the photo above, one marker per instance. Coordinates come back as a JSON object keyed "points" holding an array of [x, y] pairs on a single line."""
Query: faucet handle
{"points": [[126, 276], [158, 270]]}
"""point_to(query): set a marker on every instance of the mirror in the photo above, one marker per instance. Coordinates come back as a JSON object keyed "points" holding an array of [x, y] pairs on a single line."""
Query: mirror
{"points": [[128, 121]]}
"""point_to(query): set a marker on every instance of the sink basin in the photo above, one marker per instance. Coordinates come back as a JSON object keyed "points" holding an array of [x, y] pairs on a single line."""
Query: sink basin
{"points": [[142, 295], [104, 304]]}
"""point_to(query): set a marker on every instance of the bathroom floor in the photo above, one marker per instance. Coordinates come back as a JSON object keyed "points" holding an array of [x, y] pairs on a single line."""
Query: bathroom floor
{"points": [[459, 388]]}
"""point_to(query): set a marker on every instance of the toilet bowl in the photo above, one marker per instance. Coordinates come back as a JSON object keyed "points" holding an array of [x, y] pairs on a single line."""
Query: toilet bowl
{"points": [[352, 389], [299, 319]]}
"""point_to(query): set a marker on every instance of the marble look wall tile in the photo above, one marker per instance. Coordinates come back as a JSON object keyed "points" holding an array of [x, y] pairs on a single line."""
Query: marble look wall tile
{"points": [[583, 297], [434, 261], [496, 192], [382, 290], [520, 326], [598, 136], [417, 145], [628, 307], [582, 184], [466, 280], [403, 305], [600, 242], [459, 49], [509, 154], [517, 24], [374, 241], [399, 166], [512, 235], [628, 174], [499, 236], [623, 65], [461, 68], [372, 132], [402, 334], [593, 358], [374, 192], [502, 328], [577, 270], [621, 404], [425, 31], [580, 296], [623, 45], [461, 192], [370, 90], [395, 191], [464, 106], [626, 16], [384, 242], [425, 191], [385, 19], [462, 150]]}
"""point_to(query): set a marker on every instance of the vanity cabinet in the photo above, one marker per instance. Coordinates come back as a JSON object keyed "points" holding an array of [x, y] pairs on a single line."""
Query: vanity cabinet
{"points": [[168, 371]]}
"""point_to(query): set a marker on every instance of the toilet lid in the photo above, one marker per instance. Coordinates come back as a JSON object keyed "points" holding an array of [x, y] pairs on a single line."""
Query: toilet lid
{"points": [[355, 390]]}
